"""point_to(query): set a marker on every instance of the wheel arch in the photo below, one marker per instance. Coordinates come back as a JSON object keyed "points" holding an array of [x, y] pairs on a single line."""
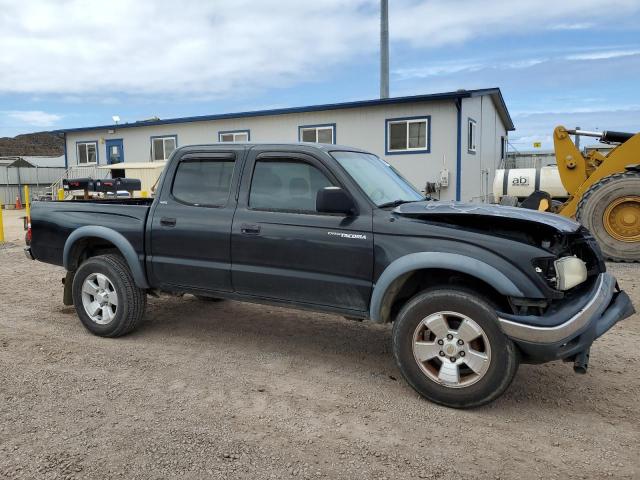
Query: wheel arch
{"points": [[398, 274], [85, 238]]}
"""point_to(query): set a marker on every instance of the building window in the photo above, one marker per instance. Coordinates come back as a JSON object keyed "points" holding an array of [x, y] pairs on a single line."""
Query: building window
{"points": [[503, 147], [408, 135], [203, 182], [163, 147], [286, 185], [87, 153], [317, 133], [234, 136], [471, 136]]}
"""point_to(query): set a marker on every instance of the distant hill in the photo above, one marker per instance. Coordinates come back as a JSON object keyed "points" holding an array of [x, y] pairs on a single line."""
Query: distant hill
{"points": [[32, 144]]}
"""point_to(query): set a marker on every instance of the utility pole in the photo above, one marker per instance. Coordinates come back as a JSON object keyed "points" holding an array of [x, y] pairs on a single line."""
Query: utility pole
{"points": [[384, 48]]}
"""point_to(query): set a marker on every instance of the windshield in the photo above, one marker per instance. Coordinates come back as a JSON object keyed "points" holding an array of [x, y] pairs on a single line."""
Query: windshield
{"points": [[380, 181]]}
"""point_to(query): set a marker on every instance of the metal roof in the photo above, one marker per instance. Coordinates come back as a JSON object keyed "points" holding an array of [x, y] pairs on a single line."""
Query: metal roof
{"points": [[14, 162], [494, 93], [44, 160]]}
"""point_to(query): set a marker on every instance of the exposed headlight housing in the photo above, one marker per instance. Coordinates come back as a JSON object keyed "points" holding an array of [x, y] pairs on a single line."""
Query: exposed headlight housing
{"points": [[570, 271]]}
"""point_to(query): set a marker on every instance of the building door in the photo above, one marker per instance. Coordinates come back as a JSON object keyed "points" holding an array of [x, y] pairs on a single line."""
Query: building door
{"points": [[115, 151], [115, 154]]}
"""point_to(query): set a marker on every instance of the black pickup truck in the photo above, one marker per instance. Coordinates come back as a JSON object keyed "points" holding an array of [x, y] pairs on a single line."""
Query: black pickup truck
{"points": [[472, 289]]}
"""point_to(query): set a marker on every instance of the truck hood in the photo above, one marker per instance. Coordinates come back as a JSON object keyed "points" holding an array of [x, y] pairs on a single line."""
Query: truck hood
{"points": [[437, 211]]}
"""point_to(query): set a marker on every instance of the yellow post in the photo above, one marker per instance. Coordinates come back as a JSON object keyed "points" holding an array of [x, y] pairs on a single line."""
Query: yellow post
{"points": [[27, 203], [1, 226], [144, 194], [61, 194]]}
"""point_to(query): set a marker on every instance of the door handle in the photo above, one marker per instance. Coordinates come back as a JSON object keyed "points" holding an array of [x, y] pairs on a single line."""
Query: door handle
{"points": [[248, 229], [168, 222]]}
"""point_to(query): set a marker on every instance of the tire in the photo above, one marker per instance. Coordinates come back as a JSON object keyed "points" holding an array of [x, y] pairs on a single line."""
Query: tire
{"points": [[130, 301], [492, 353], [208, 299], [593, 207]]}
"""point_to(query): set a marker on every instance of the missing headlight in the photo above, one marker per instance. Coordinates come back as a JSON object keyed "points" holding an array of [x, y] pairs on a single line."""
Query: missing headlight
{"points": [[545, 268]]}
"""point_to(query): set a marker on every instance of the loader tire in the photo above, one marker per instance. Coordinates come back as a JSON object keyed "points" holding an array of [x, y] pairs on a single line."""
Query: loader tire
{"points": [[610, 209]]}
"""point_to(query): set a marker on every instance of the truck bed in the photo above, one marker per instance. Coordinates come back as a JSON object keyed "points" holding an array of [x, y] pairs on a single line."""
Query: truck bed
{"points": [[53, 222]]}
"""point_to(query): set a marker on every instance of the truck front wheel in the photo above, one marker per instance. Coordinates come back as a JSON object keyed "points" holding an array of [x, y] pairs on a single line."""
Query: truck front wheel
{"points": [[450, 349], [106, 297]]}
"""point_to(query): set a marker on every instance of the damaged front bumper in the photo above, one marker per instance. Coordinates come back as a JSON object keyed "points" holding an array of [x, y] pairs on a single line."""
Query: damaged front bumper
{"points": [[567, 332]]}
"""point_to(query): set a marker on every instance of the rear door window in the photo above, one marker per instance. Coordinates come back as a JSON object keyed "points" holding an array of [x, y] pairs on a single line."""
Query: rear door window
{"points": [[203, 182]]}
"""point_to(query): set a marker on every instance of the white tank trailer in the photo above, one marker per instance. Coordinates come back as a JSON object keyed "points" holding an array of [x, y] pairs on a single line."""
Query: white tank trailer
{"points": [[522, 182]]}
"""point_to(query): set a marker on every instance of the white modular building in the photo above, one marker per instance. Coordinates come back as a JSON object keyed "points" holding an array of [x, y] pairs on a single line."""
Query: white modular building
{"points": [[453, 141]]}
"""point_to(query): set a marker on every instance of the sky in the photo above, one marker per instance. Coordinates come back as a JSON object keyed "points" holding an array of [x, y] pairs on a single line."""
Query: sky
{"points": [[73, 63]]}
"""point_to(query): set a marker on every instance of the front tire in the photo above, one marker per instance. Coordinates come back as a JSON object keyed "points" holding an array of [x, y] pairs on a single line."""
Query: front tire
{"points": [[106, 297], [450, 349]]}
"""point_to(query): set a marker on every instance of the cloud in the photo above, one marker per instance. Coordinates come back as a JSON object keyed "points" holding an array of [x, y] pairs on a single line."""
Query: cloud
{"points": [[207, 49], [440, 22], [197, 47], [535, 74], [464, 67], [603, 55], [35, 118], [572, 26]]}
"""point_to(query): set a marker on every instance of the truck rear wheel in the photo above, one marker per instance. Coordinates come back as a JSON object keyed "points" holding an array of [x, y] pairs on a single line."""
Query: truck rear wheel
{"points": [[450, 349], [106, 297], [610, 209]]}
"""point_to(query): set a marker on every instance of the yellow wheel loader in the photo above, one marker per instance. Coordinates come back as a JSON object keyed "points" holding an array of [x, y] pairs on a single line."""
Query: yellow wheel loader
{"points": [[604, 190]]}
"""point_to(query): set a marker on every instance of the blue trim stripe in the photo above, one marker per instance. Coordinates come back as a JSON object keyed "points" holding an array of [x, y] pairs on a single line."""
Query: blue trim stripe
{"points": [[387, 121], [66, 156], [494, 92], [319, 125]]}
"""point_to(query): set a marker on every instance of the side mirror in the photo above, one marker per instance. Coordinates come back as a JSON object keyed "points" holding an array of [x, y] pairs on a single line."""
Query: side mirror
{"points": [[334, 200]]}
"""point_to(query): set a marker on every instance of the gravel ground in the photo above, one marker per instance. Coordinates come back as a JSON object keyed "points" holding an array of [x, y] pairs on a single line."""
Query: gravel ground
{"points": [[233, 390]]}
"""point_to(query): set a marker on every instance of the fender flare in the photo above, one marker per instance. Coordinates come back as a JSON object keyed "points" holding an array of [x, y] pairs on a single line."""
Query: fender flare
{"points": [[450, 261], [120, 242]]}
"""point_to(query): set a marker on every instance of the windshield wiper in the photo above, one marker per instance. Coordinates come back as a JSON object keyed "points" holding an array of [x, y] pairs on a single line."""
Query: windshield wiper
{"points": [[395, 203]]}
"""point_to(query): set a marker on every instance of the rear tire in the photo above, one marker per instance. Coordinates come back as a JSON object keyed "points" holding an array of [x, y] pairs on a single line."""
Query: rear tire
{"points": [[610, 208], [452, 364], [106, 297]]}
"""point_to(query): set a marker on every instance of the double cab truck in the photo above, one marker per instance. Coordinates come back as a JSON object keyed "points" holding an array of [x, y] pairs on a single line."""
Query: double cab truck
{"points": [[472, 290]]}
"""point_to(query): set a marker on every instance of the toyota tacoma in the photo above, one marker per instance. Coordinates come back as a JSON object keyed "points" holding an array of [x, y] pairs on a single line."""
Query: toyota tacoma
{"points": [[472, 290]]}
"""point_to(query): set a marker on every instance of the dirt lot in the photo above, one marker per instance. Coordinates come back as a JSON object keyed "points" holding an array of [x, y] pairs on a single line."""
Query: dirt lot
{"points": [[232, 390]]}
